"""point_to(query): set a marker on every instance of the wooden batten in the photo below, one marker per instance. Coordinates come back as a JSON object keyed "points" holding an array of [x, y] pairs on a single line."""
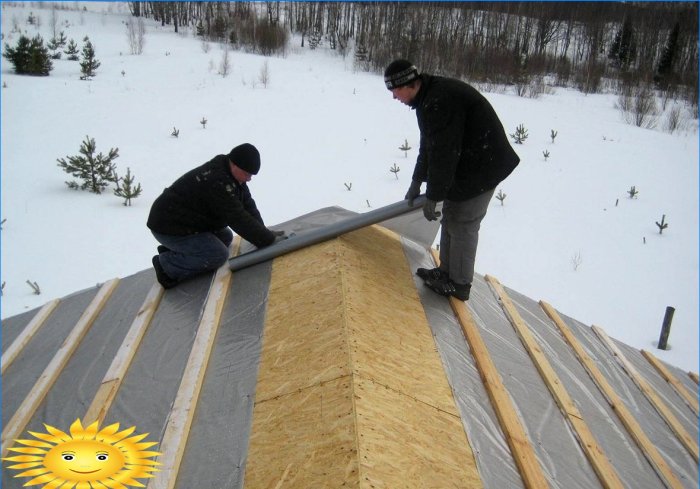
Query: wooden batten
{"points": [[117, 370], [690, 398], [628, 420], [599, 461], [351, 390], [30, 404], [676, 427], [694, 376], [520, 445], [177, 429], [12, 351]]}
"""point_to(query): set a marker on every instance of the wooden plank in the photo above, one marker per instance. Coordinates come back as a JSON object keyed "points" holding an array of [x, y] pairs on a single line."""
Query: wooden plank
{"points": [[599, 461], [686, 440], [694, 376], [520, 445], [690, 398], [30, 404], [178, 428], [120, 364], [351, 390], [628, 420], [9, 355]]}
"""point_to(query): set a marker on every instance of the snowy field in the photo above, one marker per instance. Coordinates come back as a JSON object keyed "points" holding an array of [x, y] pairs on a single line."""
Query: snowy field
{"points": [[567, 231]]}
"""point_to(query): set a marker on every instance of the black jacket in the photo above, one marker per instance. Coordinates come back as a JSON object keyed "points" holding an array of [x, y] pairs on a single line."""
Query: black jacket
{"points": [[464, 150], [206, 199]]}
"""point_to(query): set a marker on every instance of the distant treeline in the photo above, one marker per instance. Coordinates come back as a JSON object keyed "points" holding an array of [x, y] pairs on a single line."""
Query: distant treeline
{"points": [[577, 43]]}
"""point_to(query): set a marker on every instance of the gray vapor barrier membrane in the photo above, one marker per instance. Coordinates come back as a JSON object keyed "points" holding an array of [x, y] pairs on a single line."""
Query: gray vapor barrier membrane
{"points": [[217, 447]]}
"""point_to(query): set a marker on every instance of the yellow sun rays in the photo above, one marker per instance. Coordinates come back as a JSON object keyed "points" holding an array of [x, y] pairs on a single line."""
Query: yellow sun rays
{"points": [[84, 458]]}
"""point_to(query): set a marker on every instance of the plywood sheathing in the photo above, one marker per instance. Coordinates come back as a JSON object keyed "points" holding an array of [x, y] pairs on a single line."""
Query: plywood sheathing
{"points": [[351, 390]]}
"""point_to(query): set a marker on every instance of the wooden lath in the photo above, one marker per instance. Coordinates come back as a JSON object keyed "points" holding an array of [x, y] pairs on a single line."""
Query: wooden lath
{"points": [[628, 420], [520, 445], [30, 404], [112, 380], [694, 376], [690, 398], [178, 428], [9, 355], [599, 461], [686, 440]]}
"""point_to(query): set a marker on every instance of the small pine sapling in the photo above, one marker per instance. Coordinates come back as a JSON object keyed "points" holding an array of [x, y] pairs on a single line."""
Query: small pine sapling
{"points": [[203, 122], [89, 63], [95, 171], [348, 186], [545, 153], [520, 134], [501, 196], [72, 50], [633, 192], [126, 188], [395, 170], [663, 224], [35, 287], [175, 133], [405, 147], [553, 135]]}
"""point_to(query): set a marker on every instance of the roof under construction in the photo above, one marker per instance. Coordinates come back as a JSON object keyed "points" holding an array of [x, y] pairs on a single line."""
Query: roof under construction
{"points": [[333, 366]]}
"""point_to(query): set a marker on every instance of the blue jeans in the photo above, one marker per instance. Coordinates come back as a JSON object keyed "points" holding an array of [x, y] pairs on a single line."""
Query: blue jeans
{"points": [[195, 253]]}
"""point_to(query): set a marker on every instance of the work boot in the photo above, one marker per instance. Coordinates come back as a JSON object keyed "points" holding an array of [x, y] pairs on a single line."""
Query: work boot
{"points": [[162, 249], [161, 276], [448, 288], [431, 274]]}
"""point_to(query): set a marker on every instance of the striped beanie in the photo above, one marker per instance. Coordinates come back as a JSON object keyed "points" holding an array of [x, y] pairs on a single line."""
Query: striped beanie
{"points": [[399, 73]]}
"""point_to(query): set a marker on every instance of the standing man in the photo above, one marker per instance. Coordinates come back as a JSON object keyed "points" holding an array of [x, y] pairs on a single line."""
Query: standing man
{"points": [[193, 218], [464, 154]]}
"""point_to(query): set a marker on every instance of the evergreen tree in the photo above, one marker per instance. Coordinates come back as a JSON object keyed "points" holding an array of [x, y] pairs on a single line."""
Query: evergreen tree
{"points": [[89, 63], [95, 171], [72, 50], [624, 47], [665, 68], [29, 57], [125, 187], [54, 46]]}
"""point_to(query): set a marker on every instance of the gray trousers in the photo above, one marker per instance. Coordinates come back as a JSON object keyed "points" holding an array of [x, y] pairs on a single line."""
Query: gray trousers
{"points": [[459, 237]]}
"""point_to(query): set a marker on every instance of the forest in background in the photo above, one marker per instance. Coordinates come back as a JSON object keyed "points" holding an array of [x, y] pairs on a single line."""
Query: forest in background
{"points": [[593, 46]]}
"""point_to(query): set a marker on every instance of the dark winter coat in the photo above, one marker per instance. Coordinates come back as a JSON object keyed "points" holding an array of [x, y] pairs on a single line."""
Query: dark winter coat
{"points": [[208, 198], [464, 150]]}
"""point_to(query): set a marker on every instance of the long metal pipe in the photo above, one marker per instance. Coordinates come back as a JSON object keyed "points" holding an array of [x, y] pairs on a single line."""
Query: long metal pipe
{"points": [[325, 233]]}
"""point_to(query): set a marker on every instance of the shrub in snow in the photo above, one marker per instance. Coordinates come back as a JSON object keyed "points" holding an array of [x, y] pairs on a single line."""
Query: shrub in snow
{"points": [[89, 64], [72, 50], [96, 172], [126, 188], [663, 224], [405, 147], [633, 192], [553, 135], [29, 56], [395, 170], [520, 134], [501, 196]]}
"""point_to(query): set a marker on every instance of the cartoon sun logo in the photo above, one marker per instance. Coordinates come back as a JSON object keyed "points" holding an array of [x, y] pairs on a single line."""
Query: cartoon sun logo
{"points": [[85, 458]]}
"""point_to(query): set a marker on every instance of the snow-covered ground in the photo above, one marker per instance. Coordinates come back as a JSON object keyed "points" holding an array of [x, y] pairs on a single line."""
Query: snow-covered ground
{"points": [[567, 231]]}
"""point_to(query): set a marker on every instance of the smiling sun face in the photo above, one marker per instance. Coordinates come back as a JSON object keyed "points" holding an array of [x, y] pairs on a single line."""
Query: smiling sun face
{"points": [[109, 457]]}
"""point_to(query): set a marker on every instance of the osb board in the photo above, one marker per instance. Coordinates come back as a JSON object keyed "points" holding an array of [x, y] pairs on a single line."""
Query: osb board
{"points": [[304, 440], [409, 444], [304, 341], [344, 327], [389, 334]]}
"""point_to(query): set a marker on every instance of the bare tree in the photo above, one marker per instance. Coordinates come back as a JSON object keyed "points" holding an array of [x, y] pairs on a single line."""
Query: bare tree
{"points": [[264, 74], [136, 33]]}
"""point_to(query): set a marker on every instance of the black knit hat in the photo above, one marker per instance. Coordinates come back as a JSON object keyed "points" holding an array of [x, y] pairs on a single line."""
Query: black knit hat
{"points": [[246, 157], [399, 73]]}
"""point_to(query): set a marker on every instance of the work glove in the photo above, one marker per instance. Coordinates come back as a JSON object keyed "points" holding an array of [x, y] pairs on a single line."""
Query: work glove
{"points": [[413, 192], [279, 235], [429, 210]]}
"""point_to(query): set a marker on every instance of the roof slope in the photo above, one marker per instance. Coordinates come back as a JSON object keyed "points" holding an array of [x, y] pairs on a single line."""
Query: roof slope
{"points": [[334, 367]]}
